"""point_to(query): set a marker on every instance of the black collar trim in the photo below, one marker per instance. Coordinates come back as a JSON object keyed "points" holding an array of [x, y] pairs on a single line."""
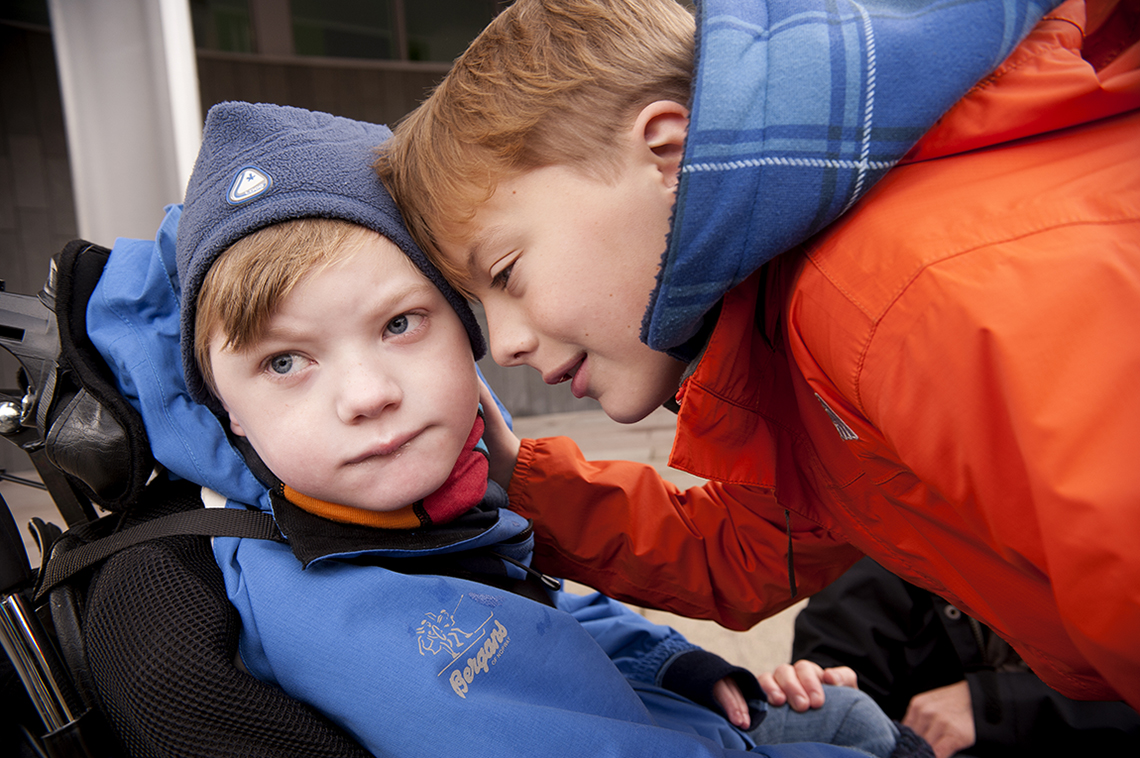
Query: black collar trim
{"points": [[313, 537]]}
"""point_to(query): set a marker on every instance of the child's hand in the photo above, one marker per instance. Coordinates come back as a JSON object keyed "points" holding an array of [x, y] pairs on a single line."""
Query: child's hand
{"points": [[727, 693], [801, 685], [502, 444]]}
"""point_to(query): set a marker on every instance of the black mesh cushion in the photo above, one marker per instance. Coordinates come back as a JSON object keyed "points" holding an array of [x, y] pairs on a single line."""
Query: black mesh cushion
{"points": [[161, 639]]}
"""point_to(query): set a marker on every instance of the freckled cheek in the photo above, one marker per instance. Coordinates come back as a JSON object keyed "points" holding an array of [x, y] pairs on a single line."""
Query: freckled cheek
{"points": [[558, 317], [603, 316]]}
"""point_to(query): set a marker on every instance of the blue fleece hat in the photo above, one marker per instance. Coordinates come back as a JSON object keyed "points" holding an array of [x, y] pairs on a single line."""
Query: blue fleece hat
{"points": [[263, 164]]}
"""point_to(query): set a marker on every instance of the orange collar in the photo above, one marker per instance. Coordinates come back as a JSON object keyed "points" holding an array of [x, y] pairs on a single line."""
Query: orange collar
{"points": [[404, 518]]}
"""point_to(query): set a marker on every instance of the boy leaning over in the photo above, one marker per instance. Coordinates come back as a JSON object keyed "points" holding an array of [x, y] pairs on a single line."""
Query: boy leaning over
{"points": [[939, 379]]}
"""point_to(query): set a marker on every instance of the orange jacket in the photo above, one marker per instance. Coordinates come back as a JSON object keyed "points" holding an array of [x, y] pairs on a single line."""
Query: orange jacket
{"points": [[944, 380]]}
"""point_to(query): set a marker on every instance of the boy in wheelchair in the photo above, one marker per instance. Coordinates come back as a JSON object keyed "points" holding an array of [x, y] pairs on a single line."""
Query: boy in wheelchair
{"points": [[295, 353]]}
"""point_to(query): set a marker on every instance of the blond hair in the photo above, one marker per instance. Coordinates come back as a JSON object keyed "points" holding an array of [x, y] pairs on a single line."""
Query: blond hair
{"points": [[548, 82], [247, 283]]}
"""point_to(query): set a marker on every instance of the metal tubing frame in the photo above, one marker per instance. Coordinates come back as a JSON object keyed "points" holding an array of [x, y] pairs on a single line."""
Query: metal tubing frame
{"points": [[35, 661]]}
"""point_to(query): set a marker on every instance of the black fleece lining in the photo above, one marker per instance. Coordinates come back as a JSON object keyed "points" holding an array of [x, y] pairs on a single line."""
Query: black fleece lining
{"points": [[693, 674], [314, 537]]}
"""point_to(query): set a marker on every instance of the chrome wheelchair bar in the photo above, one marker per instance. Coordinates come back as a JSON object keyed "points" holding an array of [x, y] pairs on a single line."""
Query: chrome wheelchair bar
{"points": [[35, 661]]}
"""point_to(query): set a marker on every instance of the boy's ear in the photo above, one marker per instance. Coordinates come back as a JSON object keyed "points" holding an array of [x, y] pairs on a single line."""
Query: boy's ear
{"points": [[661, 127], [235, 426]]}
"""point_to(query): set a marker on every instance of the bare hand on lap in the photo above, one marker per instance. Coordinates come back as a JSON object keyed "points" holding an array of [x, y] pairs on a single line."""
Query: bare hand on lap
{"points": [[801, 684], [944, 717]]}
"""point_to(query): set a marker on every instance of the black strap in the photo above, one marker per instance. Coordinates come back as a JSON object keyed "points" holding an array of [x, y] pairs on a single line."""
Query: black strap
{"points": [[201, 522]]}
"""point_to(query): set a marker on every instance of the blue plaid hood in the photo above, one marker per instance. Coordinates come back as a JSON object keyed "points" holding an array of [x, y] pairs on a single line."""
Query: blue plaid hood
{"points": [[799, 107]]}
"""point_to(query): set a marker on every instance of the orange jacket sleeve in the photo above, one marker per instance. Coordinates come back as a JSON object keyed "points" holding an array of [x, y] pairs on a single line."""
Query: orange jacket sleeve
{"points": [[715, 551]]}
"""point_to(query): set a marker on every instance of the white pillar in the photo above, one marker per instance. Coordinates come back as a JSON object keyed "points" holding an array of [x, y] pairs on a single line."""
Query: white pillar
{"points": [[129, 81]]}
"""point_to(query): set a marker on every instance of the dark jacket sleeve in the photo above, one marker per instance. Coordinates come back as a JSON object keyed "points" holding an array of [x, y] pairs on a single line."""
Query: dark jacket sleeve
{"points": [[883, 628], [1016, 713]]}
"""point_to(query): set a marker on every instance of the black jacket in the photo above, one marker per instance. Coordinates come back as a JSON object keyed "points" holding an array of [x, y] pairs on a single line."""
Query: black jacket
{"points": [[902, 641]]}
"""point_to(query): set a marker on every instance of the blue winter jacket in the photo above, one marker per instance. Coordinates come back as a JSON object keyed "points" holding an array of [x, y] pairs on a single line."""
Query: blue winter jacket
{"points": [[407, 663]]}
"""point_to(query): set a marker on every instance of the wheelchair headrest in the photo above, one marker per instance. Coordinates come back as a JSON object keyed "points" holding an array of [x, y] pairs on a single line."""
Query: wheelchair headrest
{"points": [[71, 406]]}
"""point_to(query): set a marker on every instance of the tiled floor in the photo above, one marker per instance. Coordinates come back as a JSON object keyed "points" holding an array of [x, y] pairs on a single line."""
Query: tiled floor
{"points": [[763, 647]]}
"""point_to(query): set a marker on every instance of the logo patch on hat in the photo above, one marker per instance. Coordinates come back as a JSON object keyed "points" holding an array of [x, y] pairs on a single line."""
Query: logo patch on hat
{"points": [[249, 183]]}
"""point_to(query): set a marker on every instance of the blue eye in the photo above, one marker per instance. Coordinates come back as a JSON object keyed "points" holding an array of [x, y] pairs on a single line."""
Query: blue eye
{"points": [[404, 327], [281, 364]]}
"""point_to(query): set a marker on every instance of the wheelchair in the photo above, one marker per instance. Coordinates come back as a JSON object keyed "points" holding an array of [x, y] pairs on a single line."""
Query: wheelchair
{"points": [[122, 643]]}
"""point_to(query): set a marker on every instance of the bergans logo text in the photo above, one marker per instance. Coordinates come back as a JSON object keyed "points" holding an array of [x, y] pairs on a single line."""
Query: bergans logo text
{"points": [[487, 656], [468, 653]]}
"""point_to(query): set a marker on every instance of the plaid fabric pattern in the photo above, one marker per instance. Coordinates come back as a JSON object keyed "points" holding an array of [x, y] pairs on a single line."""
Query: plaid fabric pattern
{"points": [[799, 107]]}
